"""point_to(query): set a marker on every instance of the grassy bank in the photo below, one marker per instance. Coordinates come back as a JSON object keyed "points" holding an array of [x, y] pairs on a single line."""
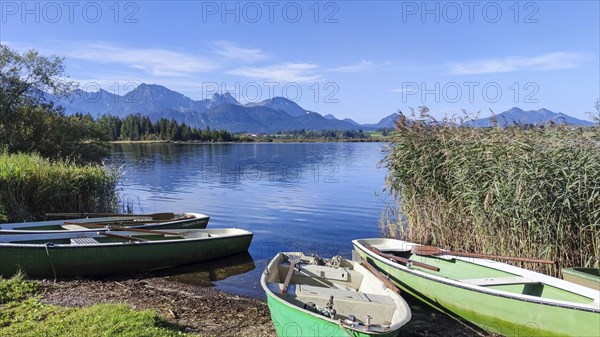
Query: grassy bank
{"points": [[531, 192], [23, 314], [31, 186]]}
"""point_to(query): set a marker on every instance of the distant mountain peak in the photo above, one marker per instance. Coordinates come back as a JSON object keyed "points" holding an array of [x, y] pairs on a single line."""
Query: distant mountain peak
{"points": [[330, 117], [351, 121], [219, 99], [146, 86], [281, 104]]}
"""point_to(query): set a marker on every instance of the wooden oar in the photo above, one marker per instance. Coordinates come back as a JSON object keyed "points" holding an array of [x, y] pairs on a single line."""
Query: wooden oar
{"points": [[140, 230], [130, 238], [117, 222], [288, 277], [380, 276], [155, 216], [430, 250], [127, 229], [401, 259]]}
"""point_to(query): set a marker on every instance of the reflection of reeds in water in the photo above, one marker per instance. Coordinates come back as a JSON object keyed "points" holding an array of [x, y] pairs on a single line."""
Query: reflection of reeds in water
{"points": [[205, 273], [525, 191]]}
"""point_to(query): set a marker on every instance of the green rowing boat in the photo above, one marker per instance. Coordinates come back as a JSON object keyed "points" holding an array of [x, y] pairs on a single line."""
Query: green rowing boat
{"points": [[187, 221], [67, 254], [587, 277], [310, 296], [495, 296]]}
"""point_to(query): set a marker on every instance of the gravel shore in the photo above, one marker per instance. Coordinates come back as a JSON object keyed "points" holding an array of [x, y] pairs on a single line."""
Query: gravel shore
{"points": [[211, 312]]}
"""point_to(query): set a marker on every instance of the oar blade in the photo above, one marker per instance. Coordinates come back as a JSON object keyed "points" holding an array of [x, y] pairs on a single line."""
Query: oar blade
{"points": [[426, 250]]}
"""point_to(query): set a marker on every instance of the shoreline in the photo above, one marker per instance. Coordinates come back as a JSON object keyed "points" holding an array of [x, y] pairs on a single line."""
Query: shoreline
{"points": [[278, 141], [212, 312]]}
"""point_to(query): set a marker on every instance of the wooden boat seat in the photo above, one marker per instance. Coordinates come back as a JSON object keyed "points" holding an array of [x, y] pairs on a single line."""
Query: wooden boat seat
{"points": [[323, 276], [84, 241], [339, 294], [498, 281], [347, 302], [313, 270]]}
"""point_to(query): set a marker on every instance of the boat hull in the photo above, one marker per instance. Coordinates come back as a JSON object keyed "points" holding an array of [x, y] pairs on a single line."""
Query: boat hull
{"points": [[505, 315], [93, 260], [290, 322]]}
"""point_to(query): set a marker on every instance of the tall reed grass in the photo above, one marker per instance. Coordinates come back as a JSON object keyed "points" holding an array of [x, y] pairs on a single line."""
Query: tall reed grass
{"points": [[31, 186], [518, 191]]}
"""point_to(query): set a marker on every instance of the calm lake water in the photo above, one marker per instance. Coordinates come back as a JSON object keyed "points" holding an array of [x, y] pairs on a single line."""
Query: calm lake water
{"points": [[310, 197]]}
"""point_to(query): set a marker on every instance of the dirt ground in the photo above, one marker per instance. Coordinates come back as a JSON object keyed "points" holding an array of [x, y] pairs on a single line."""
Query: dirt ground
{"points": [[213, 312]]}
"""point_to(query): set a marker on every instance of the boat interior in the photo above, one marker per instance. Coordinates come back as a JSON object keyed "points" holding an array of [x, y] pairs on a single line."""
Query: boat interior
{"points": [[102, 237], [469, 271], [356, 295], [92, 223]]}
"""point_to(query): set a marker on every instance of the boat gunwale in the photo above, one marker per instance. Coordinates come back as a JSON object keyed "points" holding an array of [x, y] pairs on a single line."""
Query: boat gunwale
{"points": [[237, 233], [592, 307], [573, 271], [263, 283]]}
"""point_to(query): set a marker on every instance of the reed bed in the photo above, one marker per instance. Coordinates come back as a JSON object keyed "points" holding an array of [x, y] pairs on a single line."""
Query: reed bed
{"points": [[516, 191], [31, 186]]}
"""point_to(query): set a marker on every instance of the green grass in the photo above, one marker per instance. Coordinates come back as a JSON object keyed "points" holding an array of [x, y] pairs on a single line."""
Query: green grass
{"points": [[518, 191], [31, 186], [23, 314]]}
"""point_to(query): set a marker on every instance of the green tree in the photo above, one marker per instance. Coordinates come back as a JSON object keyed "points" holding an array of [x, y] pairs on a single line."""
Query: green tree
{"points": [[30, 122], [111, 125]]}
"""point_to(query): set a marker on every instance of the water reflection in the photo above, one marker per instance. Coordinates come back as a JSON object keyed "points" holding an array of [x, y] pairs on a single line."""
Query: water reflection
{"points": [[206, 273], [311, 197], [285, 164]]}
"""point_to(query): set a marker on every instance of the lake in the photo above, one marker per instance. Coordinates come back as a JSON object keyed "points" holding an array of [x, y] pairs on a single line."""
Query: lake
{"points": [[310, 197]]}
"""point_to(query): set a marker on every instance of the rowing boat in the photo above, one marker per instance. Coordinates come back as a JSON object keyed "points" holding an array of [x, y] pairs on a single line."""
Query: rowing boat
{"points": [[65, 254], [187, 221], [495, 296], [310, 296], [588, 277]]}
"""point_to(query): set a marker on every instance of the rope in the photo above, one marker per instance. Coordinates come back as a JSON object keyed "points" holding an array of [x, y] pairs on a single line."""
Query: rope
{"points": [[344, 328], [49, 259], [335, 261]]}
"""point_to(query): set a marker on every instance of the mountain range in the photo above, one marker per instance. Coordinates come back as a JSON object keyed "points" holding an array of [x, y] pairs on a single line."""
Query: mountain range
{"points": [[223, 111], [535, 117]]}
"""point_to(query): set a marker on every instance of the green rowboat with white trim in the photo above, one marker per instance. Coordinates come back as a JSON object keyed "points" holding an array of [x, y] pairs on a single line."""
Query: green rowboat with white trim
{"points": [[495, 296], [66, 254], [184, 221], [310, 296]]}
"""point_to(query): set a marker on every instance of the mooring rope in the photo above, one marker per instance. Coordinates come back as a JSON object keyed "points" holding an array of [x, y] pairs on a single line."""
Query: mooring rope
{"points": [[49, 259], [344, 328]]}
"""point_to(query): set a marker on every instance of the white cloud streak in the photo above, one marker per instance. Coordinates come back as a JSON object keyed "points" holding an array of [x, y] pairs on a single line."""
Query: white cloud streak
{"points": [[231, 50], [157, 62], [283, 72], [362, 66], [544, 62]]}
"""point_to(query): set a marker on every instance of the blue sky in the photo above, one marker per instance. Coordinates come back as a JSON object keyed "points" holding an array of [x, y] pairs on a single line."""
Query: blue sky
{"points": [[358, 59]]}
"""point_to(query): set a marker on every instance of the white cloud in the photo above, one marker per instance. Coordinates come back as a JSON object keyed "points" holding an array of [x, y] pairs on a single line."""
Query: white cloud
{"points": [[550, 61], [396, 90], [359, 67], [230, 50], [283, 72], [157, 62]]}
